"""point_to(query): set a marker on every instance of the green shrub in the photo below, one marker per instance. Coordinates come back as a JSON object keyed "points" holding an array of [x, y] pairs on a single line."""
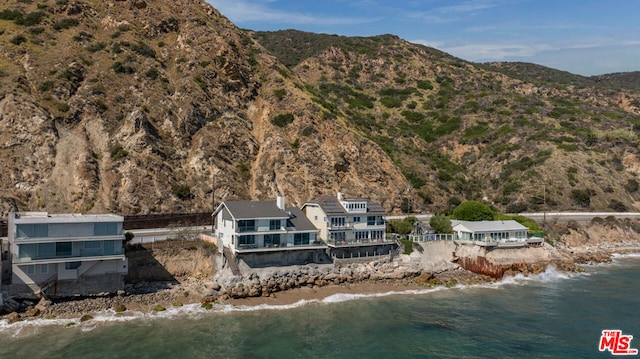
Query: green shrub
{"points": [[31, 19], [441, 224], [117, 152], [425, 85], [473, 211], [582, 197], [412, 116], [182, 191], [408, 246], [244, 170], [631, 186], [617, 206], [18, 39], [391, 102], [46, 86], [143, 49], [152, 73], [95, 47], [11, 15], [282, 120], [65, 24], [36, 30], [279, 93], [120, 68]]}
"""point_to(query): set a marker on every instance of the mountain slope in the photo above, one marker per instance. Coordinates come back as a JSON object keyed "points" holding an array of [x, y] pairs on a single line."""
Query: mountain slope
{"points": [[136, 106], [522, 138], [147, 106]]}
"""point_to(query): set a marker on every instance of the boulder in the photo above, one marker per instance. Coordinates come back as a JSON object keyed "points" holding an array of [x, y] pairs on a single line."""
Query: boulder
{"points": [[13, 317]]}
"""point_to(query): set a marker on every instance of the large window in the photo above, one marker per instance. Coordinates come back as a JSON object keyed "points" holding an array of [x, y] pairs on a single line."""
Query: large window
{"points": [[32, 230], [109, 247], [300, 239], [272, 240], [92, 248], [64, 249], [362, 234], [274, 224], [338, 221], [338, 236], [105, 229], [246, 225], [246, 241], [375, 221]]}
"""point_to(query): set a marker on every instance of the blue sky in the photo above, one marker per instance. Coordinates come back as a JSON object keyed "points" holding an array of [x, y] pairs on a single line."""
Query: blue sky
{"points": [[586, 37]]}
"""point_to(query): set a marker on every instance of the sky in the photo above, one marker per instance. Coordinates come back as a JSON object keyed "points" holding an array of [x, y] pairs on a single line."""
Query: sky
{"points": [[584, 37]]}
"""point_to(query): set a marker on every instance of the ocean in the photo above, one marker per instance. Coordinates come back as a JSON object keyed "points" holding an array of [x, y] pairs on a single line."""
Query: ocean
{"points": [[550, 315]]}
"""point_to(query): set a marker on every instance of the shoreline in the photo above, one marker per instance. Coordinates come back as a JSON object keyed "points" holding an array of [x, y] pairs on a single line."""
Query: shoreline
{"points": [[194, 292], [288, 299]]}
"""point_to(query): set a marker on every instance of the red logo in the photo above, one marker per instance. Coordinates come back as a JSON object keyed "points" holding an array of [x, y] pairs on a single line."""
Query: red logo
{"points": [[617, 343]]}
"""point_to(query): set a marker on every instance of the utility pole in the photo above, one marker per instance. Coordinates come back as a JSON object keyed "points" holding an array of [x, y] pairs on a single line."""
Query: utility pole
{"points": [[544, 202], [213, 199]]}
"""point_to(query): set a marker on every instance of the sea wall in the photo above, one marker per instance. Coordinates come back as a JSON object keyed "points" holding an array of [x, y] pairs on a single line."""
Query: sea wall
{"points": [[266, 282]]}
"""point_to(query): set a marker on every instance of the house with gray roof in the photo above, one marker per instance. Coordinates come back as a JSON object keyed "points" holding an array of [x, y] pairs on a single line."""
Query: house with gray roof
{"points": [[501, 233], [245, 227], [357, 224]]}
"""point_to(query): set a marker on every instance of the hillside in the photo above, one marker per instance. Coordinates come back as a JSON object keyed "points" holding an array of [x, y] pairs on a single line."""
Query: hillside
{"points": [[149, 106], [156, 106], [519, 136]]}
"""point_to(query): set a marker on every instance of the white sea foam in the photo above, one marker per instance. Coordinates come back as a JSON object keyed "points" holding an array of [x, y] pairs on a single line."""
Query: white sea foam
{"points": [[625, 255], [27, 327]]}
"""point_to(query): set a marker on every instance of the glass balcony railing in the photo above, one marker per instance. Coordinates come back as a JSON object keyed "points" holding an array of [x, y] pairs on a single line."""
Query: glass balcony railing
{"points": [[82, 254]]}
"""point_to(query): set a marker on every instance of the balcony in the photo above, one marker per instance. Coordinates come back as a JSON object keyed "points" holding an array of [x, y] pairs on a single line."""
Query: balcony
{"points": [[22, 240], [84, 255], [360, 242], [247, 248]]}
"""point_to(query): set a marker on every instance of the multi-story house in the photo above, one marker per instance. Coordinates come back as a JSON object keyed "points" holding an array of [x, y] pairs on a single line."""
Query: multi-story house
{"points": [[66, 254], [266, 229], [354, 223]]}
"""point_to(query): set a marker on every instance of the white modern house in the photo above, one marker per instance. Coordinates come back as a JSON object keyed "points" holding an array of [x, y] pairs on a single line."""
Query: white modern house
{"points": [[268, 230], [501, 233], [356, 224], [66, 254]]}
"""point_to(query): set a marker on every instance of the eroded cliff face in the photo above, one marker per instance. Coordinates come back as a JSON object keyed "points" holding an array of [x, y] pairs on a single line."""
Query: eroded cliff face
{"points": [[154, 106], [498, 262]]}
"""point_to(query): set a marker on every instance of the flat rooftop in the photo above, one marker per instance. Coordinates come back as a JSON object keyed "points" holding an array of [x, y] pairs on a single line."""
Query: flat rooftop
{"points": [[36, 217]]}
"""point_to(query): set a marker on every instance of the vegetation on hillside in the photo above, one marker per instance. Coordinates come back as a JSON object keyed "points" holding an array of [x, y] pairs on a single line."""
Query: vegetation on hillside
{"points": [[519, 136]]}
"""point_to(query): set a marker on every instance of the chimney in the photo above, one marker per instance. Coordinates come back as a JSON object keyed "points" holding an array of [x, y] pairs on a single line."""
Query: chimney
{"points": [[339, 196], [280, 202]]}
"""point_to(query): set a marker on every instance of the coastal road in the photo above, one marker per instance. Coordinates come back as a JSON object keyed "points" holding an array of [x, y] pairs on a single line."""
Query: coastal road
{"points": [[557, 217]]}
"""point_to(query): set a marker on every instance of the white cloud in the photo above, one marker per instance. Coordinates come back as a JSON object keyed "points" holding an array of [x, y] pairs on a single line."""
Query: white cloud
{"points": [[451, 13], [244, 11]]}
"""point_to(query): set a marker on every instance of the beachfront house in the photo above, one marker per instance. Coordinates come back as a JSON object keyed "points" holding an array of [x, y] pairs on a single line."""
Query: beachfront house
{"points": [[501, 233], [66, 254], [350, 226], [266, 232]]}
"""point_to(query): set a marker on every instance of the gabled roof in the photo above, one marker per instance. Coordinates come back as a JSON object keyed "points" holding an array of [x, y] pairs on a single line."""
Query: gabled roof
{"points": [[238, 210], [331, 205], [488, 226], [299, 221], [253, 209]]}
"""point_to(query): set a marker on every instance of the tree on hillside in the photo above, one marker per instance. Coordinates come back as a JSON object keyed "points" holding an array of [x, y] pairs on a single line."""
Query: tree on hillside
{"points": [[473, 211], [401, 227], [441, 224]]}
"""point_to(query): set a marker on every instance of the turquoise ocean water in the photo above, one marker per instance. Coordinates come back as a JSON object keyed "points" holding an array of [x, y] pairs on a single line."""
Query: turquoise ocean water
{"points": [[551, 315]]}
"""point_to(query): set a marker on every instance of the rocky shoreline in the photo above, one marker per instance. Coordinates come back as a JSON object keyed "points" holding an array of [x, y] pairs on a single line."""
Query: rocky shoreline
{"points": [[435, 264]]}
